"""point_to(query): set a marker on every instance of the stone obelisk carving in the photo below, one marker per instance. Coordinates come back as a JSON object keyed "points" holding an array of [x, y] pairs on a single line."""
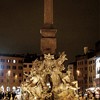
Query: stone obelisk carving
{"points": [[48, 40]]}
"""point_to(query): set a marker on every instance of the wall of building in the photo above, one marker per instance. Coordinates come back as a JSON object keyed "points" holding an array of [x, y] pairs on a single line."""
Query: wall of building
{"points": [[26, 69], [11, 71], [91, 71]]}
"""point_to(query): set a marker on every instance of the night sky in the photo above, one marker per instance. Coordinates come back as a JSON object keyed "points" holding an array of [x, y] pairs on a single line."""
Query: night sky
{"points": [[77, 22]]}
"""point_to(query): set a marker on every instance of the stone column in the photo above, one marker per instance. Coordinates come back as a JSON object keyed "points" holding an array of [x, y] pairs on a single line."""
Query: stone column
{"points": [[48, 40], [48, 11]]}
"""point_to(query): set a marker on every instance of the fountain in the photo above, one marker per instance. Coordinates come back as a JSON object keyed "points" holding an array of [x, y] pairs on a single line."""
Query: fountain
{"points": [[48, 81]]}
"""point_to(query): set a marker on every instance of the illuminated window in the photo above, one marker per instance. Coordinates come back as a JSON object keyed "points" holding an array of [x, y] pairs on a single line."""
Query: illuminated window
{"points": [[14, 61], [8, 61]]}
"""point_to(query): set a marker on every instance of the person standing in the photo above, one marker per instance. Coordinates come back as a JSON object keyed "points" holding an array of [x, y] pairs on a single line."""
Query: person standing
{"points": [[9, 95], [13, 95], [0, 95]]}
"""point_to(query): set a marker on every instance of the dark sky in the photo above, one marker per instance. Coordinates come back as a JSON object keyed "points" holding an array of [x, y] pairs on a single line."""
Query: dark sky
{"points": [[77, 22]]}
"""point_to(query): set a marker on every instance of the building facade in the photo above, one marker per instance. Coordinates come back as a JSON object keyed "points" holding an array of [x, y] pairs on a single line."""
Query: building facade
{"points": [[87, 69], [11, 72], [91, 71], [82, 71], [72, 68], [26, 70], [97, 78]]}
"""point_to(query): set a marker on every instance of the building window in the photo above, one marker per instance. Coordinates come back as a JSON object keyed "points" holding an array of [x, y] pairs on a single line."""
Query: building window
{"points": [[90, 79], [20, 74], [93, 61], [85, 80], [93, 67], [30, 66], [20, 61], [8, 67], [90, 62], [20, 67], [25, 66], [19, 81], [85, 68], [14, 61], [82, 62], [8, 61], [98, 70], [13, 74], [1, 73], [2, 66], [14, 81], [2, 60], [71, 67], [13, 67], [25, 72], [85, 61], [24, 79], [1, 80]]}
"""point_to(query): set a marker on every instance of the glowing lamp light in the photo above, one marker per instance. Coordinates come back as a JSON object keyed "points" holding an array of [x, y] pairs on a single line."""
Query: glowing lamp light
{"points": [[35, 98], [15, 76], [9, 72], [48, 84], [78, 72]]}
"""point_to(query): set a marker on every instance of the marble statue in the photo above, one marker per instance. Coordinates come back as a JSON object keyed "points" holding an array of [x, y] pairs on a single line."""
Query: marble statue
{"points": [[47, 81]]}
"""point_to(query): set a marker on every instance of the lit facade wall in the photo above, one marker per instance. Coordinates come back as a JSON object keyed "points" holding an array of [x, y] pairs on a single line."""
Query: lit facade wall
{"points": [[26, 69], [82, 71], [91, 71], [11, 72], [71, 69], [97, 80], [98, 67]]}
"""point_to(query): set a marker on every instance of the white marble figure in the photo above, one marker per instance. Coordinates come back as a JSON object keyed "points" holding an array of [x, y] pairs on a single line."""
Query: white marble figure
{"points": [[38, 87]]}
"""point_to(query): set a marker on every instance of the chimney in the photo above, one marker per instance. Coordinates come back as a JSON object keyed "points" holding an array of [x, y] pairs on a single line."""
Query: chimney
{"points": [[85, 50]]}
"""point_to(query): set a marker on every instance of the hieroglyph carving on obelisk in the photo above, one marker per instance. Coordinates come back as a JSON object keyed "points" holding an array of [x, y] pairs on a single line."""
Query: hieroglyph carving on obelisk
{"points": [[48, 40]]}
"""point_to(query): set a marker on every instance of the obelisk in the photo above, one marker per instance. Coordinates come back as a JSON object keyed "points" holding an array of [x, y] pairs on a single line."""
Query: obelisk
{"points": [[48, 39]]}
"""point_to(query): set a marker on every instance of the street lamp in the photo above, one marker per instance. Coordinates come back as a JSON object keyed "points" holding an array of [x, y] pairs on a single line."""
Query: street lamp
{"points": [[8, 77], [9, 72], [78, 72], [14, 87], [16, 78]]}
